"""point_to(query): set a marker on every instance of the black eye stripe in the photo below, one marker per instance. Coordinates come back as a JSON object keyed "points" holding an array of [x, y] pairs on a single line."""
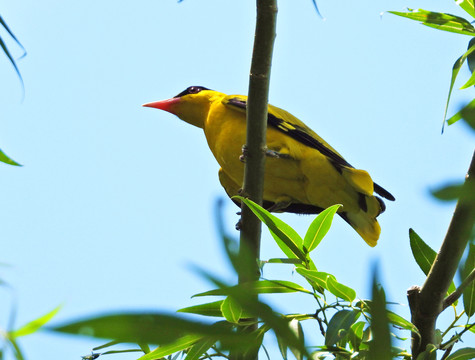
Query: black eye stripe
{"points": [[191, 90]]}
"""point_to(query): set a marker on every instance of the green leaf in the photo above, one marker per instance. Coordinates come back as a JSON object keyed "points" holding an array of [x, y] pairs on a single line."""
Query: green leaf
{"points": [[339, 290], [35, 325], [393, 318], [284, 261], [401, 322], [296, 328], [151, 328], [319, 228], [4, 158], [464, 192], [455, 70], [463, 354], [287, 238], [258, 309], [429, 353], [283, 348], [316, 278], [231, 310], [328, 282], [440, 21], [199, 349], [342, 320], [259, 287], [180, 344], [208, 309], [10, 58], [467, 5], [469, 291], [471, 57], [380, 346], [355, 335], [467, 113], [424, 255]]}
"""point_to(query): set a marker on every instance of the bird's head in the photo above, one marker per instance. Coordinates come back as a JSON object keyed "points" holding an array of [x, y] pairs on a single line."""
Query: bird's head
{"points": [[191, 105]]}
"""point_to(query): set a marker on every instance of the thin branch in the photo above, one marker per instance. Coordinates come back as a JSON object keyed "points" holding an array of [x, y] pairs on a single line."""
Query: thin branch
{"points": [[449, 300], [253, 184], [256, 122]]}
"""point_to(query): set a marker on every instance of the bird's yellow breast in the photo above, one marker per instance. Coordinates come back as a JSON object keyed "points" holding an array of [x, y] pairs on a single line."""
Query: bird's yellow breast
{"points": [[225, 131]]}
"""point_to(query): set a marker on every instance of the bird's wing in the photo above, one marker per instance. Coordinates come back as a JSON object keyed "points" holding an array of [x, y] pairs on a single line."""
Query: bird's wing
{"points": [[293, 127], [296, 129]]}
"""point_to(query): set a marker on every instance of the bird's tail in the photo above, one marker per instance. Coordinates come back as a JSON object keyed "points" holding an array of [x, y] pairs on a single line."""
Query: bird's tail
{"points": [[364, 221], [369, 206]]}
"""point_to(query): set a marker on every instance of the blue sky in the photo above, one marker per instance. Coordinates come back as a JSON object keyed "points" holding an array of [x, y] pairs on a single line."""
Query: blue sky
{"points": [[115, 201]]}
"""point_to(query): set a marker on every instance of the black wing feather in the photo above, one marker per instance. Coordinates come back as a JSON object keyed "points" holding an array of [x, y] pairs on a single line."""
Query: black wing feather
{"points": [[299, 134]]}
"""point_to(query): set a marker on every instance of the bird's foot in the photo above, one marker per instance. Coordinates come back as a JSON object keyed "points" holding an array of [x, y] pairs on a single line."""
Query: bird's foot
{"points": [[245, 153], [276, 155], [279, 206], [238, 225]]}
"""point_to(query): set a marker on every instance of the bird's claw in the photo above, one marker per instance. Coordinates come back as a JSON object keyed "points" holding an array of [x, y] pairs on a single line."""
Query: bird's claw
{"points": [[238, 225], [276, 155], [245, 153]]}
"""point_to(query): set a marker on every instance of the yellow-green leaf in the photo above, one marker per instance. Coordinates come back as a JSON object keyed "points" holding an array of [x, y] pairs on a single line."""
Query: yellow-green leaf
{"points": [[231, 310], [287, 238], [467, 5], [180, 344], [4, 158], [440, 21], [319, 228], [35, 325]]}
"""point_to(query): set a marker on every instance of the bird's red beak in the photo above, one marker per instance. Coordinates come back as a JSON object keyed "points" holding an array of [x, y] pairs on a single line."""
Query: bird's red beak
{"points": [[166, 105]]}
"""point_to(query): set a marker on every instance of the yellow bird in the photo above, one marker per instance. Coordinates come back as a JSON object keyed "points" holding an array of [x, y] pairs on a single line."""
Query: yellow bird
{"points": [[303, 174]]}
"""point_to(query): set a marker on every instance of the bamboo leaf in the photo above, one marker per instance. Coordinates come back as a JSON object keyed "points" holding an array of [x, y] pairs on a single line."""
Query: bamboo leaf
{"points": [[342, 320], [455, 70], [356, 334], [463, 354], [467, 5], [316, 278], [471, 57], [440, 21], [393, 318], [339, 290], [178, 345], [469, 291], [258, 287], [284, 261], [452, 192], [199, 348], [424, 255], [231, 310], [319, 228], [208, 309], [35, 325], [4, 158], [11, 59], [296, 328], [380, 347], [467, 113], [150, 328], [287, 238], [5, 26]]}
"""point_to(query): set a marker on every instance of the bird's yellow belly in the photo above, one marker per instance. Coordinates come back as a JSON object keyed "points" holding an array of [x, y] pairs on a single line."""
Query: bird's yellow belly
{"points": [[283, 179]]}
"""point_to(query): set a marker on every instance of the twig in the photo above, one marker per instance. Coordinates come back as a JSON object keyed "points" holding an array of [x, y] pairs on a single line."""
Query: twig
{"points": [[449, 300]]}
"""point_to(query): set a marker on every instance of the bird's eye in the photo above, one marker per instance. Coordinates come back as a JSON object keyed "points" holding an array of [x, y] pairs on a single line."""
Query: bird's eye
{"points": [[191, 90], [194, 89]]}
